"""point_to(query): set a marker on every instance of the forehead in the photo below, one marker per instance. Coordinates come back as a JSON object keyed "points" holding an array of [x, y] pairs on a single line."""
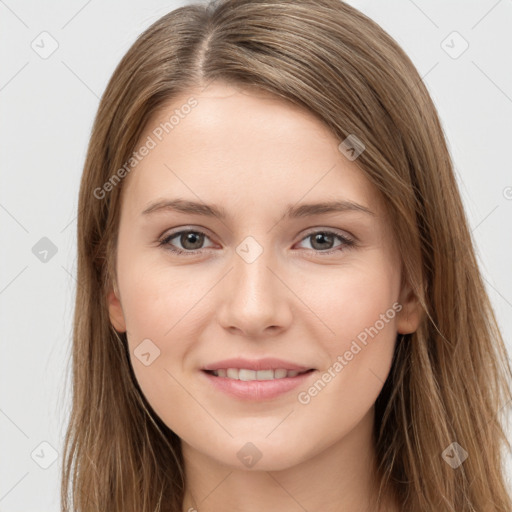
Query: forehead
{"points": [[241, 146]]}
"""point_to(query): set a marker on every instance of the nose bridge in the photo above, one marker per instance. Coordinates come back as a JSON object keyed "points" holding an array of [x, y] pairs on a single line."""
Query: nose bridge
{"points": [[252, 277], [254, 298]]}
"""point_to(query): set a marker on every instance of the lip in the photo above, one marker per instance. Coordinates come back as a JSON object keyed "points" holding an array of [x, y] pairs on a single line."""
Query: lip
{"points": [[266, 363], [256, 390]]}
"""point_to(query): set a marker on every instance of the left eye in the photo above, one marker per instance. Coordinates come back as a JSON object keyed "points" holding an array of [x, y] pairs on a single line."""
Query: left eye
{"points": [[191, 241], [327, 237]]}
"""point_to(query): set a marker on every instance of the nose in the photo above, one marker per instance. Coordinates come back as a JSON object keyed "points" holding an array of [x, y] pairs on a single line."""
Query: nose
{"points": [[254, 301]]}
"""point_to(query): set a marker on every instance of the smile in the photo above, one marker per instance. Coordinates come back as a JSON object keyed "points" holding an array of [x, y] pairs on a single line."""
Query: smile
{"points": [[249, 375], [256, 385]]}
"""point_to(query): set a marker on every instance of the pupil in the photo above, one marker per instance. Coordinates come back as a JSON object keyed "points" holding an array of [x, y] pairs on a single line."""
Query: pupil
{"points": [[322, 237], [193, 238]]}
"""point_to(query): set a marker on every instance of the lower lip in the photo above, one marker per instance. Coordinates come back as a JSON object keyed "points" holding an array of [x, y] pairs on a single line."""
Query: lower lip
{"points": [[257, 389]]}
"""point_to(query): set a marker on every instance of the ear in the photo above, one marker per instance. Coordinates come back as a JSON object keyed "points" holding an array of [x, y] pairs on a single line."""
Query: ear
{"points": [[115, 310], [409, 317]]}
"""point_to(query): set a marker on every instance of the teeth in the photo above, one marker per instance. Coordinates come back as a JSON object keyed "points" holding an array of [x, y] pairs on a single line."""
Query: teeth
{"points": [[262, 374], [246, 375], [232, 373]]}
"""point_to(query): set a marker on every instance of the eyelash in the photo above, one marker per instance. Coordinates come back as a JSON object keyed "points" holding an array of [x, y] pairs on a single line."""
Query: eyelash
{"points": [[347, 243]]}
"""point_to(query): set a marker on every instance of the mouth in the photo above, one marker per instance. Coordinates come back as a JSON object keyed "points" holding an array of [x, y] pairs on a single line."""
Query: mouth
{"points": [[256, 385], [246, 375], [255, 379]]}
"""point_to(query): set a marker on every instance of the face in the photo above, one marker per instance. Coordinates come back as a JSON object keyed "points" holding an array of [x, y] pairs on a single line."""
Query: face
{"points": [[271, 284]]}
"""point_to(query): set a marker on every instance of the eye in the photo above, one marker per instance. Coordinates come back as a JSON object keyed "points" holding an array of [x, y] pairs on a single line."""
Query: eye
{"points": [[190, 240], [324, 240]]}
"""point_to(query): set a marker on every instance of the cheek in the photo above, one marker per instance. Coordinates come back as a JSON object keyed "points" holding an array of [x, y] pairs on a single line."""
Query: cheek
{"points": [[163, 311], [352, 299], [156, 298], [359, 308], [157, 317]]}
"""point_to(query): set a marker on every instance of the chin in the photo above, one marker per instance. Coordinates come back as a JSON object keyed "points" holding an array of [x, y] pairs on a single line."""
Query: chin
{"points": [[261, 455]]}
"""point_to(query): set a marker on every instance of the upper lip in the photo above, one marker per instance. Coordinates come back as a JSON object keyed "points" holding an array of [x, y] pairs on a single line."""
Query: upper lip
{"points": [[267, 363]]}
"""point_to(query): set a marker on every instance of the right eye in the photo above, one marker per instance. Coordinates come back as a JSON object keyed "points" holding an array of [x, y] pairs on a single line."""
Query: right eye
{"points": [[190, 240]]}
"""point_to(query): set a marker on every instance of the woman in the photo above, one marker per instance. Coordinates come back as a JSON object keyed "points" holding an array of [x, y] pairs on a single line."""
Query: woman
{"points": [[225, 358]]}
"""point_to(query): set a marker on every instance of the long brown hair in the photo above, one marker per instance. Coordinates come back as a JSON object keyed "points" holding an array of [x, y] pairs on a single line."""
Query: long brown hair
{"points": [[449, 381]]}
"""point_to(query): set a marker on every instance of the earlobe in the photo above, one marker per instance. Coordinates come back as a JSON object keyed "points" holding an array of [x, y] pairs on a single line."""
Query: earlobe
{"points": [[409, 317], [115, 310]]}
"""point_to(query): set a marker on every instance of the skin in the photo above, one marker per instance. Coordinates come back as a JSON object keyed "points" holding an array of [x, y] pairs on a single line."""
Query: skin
{"points": [[254, 154]]}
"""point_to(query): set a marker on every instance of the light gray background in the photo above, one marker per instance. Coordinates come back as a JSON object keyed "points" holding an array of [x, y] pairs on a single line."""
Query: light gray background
{"points": [[47, 110]]}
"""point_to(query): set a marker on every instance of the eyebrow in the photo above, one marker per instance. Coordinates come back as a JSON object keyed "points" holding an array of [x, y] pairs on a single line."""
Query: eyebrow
{"points": [[292, 211]]}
